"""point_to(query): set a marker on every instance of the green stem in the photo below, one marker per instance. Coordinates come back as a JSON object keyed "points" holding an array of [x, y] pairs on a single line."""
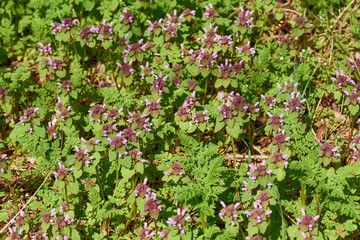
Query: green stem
{"points": [[117, 172], [66, 194], [302, 192], [233, 147], [100, 185], [83, 60], [322, 206], [242, 232], [203, 221], [76, 53], [205, 91], [14, 155], [13, 194]]}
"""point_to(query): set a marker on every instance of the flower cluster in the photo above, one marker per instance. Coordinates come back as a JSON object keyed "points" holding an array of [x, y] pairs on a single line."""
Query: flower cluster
{"points": [[258, 214], [66, 25], [229, 212], [175, 170], [179, 220], [45, 49], [306, 223], [244, 19]]}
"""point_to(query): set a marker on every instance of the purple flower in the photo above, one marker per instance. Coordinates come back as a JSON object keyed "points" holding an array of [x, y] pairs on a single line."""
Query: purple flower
{"points": [[3, 93], [45, 49], [275, 121], [306, 221], [182, 113], [154, 26], [353, 97], [113, 114], [51, 130], [229, 212], [153, 107], [225, 112], [145, 232], [142, 190], [63, 173], [225, 71], [82, 156], [278, 159], [257, 215], [170, 31], [152, 206], [327, 150], [146, 70], [175, 170], [289, 86], [55, 64], [246, 49], [206, 59], [141, 121], [200, 117], [259, 171], [134, 48], [174, 19], [104, 30], [107, 83], [224, 40], [295, 103], [14, 233], [355, 62], [127, 17], [245, 19], [126, 69], [117, 143], [159, 84], [187, 14], [179, 220], [29, 114], [280, 140], [341, 80], [96, 112], [210, 12], [269, 101]]}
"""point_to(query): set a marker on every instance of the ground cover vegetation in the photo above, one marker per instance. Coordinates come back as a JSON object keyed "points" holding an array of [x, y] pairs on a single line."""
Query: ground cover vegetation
{"points": [[151, 119]]}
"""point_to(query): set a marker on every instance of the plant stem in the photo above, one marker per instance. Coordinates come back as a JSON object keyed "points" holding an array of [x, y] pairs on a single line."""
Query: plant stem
{"points": [[302, 192], [76, 53], [83, 60], [203, 221], [66, 193], [117, 172], [100, 185], [14, 155], [205, 91], [242, 232], [13, 194], [233, 147]]}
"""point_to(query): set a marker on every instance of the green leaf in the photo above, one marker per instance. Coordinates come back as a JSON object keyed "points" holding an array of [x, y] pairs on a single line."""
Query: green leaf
{"points": [[106, 44], [126, 161], [126, 173], [192, 128], [139, 167], [279, 16], [280, 174], [89, 5], [353, 109], [73, 187], [219, 126], [234, 132], [112, 155], [61, 74]]}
